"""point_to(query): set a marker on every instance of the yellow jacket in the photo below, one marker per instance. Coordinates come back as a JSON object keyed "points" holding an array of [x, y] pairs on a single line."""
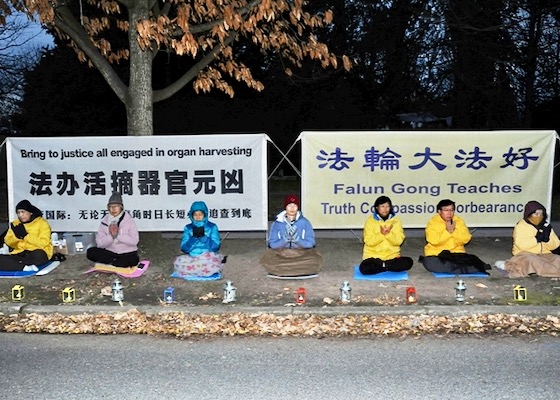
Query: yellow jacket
{"points": [[38, 237], [377, 245], [440, 239], [524, 240]]}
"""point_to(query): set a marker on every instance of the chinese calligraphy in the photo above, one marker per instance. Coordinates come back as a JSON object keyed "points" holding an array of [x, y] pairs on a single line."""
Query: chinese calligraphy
{"points": [[374, 159]]}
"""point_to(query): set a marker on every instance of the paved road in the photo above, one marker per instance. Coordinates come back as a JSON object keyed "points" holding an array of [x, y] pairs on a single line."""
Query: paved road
{"points": [[140, 367]]}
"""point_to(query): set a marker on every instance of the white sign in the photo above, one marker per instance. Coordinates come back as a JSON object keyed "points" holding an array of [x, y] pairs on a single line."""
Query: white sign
{"points": [[159, 177]]}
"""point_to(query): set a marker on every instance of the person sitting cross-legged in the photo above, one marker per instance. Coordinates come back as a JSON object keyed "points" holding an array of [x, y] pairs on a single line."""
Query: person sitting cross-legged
{"points": [[535, 245], [29, 237], [200, 243], [383, 236], [446, 237], [291, 244], [117, 237]]}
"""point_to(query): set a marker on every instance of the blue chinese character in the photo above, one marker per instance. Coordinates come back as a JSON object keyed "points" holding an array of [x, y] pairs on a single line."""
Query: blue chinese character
{"points": [[337, 159], [476, 157], [510, 158], [428, 157], [386, 160]]}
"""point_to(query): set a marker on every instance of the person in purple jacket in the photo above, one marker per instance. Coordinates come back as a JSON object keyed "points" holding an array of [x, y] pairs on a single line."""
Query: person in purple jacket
{"points": [[117, 237]]}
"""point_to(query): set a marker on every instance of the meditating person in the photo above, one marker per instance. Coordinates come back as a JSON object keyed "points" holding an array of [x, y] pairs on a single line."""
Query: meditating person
{"points": [[200, 243], [383, 236], [291, 243], [117, 237], [29, 238], [446, 237], [534, 242]]}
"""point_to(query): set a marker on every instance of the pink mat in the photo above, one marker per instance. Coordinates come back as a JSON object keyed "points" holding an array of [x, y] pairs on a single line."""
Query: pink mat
{"points": [[126, 272]]}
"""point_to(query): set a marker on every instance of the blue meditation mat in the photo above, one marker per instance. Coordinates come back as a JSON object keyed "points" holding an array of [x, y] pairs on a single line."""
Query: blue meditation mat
{"points": [[382, 276], [43, 270], [452, 275], [215, 277]]}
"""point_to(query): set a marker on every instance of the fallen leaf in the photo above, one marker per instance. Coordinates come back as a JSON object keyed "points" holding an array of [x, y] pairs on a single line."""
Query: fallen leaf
{"points": [[208, 296], [481, 285]]}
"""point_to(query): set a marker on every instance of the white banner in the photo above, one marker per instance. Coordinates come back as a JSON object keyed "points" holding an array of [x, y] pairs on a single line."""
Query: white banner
{"points": [[489, 175], [71, 179]]}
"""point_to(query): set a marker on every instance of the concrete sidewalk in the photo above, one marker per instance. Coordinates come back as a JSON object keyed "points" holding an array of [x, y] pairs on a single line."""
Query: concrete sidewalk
{"points": [[256, 293]]}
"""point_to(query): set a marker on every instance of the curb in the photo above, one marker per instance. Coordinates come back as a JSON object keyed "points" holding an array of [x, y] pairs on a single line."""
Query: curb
{"points": [[451, 311]]}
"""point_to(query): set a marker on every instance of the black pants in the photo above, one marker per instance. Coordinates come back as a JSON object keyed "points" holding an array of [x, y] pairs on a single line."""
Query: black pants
{"points": [[436, 264], [16, 262], [372, 266], [103, 256]]}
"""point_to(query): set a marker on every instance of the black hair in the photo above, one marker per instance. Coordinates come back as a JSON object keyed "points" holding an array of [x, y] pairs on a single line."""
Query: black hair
{"points": [[382, 200], [445, 203]]}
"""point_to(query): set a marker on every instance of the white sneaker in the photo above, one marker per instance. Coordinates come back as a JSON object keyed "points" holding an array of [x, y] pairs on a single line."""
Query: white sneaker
{"points": [[30, 268], [500, 264], [4, 250]]}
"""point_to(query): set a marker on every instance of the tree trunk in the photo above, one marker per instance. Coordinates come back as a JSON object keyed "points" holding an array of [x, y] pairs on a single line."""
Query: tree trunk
{"points": [[482, 99], [531, 54], [139, 98], [401, 52]]}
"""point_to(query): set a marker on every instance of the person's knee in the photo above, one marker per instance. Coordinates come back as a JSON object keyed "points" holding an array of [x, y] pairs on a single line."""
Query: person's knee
{"points": [[432, 263], [371, 266]]}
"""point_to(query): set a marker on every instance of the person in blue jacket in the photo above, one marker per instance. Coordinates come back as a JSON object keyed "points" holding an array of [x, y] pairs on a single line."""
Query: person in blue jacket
{"points": [[291, 243], [200, 243], [291, 230]]}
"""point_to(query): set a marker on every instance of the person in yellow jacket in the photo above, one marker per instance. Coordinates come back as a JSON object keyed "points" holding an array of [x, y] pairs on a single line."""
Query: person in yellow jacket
{"points": [[535, 245], [383, 236], [446, 237], [29, 237]]}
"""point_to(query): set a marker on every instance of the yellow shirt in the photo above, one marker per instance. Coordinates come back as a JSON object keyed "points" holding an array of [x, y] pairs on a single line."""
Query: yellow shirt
{"points": [[377, 245], [440, 239], [38, 237], [524, 240]]}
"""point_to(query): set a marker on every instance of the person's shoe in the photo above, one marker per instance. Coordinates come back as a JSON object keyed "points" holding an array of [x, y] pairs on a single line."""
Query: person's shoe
{"points": [[500, 264], [30, 268]]}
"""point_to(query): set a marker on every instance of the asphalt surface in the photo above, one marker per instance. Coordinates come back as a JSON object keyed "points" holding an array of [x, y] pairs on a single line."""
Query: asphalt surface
{"points": [[144, 367]]}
